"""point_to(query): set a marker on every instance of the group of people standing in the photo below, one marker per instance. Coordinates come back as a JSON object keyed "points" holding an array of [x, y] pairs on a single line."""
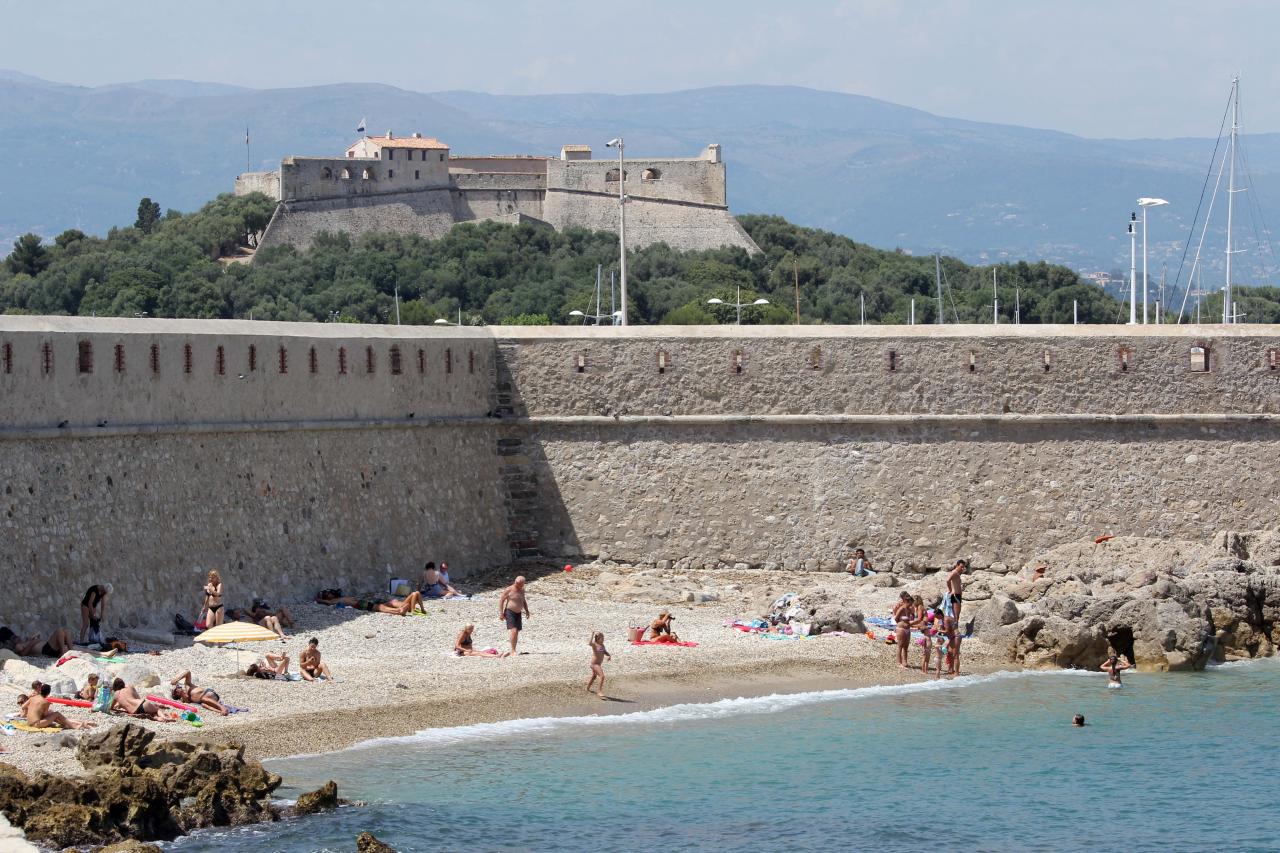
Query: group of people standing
{"points": [[939, 625]]}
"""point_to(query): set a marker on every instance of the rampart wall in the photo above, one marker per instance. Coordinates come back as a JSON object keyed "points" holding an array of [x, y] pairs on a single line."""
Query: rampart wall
{"points": [[185, 449]]}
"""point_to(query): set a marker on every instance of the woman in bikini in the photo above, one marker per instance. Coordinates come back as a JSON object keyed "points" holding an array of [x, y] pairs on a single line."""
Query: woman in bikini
{"points": [[904, 613], [464, 646], [272, 666], [1113, 667], [660, 631], [185, 690], [213, 599]]}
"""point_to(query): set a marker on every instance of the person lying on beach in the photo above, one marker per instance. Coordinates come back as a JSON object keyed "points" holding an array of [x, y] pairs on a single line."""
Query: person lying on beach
{"points": [[395, 606], [273, 666], [40, 714], [185, 690], [1113, 667], [310, 664], [464, 646], [58, 644], [260, 608], [23, 648], [125, 698], [435, 584], [598, 655], [660, 629]]}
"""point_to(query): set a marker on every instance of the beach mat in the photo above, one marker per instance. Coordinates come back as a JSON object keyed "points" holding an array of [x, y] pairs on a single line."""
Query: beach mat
{"points": [[656, 643], [24, 727]]}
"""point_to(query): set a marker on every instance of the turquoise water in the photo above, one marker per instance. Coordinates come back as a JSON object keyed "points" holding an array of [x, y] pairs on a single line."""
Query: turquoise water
{"points": [[1169, 762]]}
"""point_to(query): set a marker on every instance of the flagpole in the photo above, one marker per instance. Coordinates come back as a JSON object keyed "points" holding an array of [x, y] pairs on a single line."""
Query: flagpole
{"points": [[247, 167]]}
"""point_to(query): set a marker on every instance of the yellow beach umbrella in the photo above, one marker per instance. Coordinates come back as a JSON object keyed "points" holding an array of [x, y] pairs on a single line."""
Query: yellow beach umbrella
{"points": [[236, 632]]}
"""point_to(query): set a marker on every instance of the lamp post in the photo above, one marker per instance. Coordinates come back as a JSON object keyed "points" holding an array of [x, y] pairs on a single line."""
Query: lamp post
{"points": [[597, 317], [738, 305], [622, 221], [1144, 203], [397, 303]]}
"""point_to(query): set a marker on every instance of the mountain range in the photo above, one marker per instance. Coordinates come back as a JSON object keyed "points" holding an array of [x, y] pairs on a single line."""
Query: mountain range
{"points": [[884, 174]]}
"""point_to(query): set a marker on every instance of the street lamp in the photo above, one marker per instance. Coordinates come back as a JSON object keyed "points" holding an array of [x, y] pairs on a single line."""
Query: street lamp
{"points": [[1144, 203], [622, 220], [739, 304], [597, 317]]}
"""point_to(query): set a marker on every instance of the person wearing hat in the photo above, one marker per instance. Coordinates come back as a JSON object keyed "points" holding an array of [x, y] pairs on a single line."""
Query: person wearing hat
{"points": [[93, 610], [660, 630]]}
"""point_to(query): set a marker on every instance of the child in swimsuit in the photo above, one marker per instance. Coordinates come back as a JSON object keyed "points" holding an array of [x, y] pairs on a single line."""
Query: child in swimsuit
{"points": [[598, 655]]}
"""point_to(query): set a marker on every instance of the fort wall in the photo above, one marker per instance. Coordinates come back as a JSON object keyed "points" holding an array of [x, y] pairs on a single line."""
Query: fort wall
{"points": [[701, 446]]}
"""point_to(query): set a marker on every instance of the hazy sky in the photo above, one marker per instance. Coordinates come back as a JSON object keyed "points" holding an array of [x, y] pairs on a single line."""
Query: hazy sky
{"points": [[1093, 67]]}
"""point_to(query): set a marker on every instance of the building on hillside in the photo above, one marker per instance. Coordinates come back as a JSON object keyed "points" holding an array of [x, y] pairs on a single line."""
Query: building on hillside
{"points": [[414, 185]]}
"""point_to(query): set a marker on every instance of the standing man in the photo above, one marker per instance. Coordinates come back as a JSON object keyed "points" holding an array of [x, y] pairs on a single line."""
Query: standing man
{"points": [[860, 566], [514, 608], [955, 590]]}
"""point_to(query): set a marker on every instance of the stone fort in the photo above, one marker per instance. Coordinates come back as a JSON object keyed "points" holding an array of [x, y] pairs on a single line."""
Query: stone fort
{"points": [[294, 457], [413, 185]]}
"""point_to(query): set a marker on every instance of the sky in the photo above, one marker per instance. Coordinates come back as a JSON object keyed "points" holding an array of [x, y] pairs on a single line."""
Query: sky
{"points": [[1094, 68]]}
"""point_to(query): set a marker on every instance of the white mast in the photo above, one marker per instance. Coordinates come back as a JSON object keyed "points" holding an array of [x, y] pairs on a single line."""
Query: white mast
{"points": [[1228, 312], [995, 299], [937, 277], [1133, 269]]}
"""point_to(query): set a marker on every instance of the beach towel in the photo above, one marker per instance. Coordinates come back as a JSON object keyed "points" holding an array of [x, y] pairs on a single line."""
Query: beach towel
{"points": [[24, 727], [232, 709], [658, 643]]}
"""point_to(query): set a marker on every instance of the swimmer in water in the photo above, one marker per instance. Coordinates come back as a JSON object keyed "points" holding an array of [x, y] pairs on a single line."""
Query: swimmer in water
{"points": [[1113, 667], [1078, 721]]}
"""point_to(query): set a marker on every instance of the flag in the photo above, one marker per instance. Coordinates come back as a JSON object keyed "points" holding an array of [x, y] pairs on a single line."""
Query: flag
{"points": [[246, 134], [360, 126]]}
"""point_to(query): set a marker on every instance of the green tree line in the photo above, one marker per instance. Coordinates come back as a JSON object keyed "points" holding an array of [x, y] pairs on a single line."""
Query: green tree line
{"points": [[194, 265]]}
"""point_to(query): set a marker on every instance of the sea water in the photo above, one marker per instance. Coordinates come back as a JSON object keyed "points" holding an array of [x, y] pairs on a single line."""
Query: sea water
{"points": [[1185, 761]]}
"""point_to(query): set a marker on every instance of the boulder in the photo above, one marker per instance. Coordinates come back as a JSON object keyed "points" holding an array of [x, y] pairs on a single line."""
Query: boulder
{"points": [[1047, 642], [137, 674], [77, 670], [999, 611], [22, 673], [130, 846], [367, 842], [323, 799]]}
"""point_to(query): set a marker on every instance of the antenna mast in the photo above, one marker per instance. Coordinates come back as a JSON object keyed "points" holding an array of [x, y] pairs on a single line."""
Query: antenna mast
{"points": [[1228, 312], [937, 277], [995, 299]]}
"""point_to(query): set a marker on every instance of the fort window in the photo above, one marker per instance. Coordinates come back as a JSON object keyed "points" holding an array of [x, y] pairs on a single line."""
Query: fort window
{"points": [[186, 358], [664, 361], [612, 175], [366, 175], [893, 360], [346, 174], [973, 362], [8, 357], [417, 175], [370, 361], [441, 157], [342, 360], [84, 357], [448, 360], [313, 360], [1125, 355], [651, 175], [737, 361], [46, 357], [253, 358], [1199, 359], [391, 154], [284, 360], [326, 173], [580, 363], [391, 173], [815, 358], [397, 367], [119, 360], [422, 361], [471, 361], [155, 359], [1047, 361], [220, 359]]}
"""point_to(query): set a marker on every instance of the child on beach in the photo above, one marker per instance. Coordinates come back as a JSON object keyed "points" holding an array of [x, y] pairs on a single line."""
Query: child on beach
{"points": [[929, 628], [598, 654]]}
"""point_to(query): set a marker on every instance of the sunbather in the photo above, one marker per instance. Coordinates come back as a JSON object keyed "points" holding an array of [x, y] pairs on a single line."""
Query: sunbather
{"points": [[185, 690], [310, 663], [273, 666], [11, 641], [396, 606], [125, 698], [464, 646], [435, 584], [40, 714], [660, 630]]}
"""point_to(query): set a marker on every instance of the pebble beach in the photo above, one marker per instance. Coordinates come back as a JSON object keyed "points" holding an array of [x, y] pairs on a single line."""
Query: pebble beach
{"points": [[397, 675]]}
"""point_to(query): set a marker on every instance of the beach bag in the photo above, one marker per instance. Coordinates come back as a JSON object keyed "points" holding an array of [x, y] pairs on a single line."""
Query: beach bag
{"points": [[95, 634], [182, 625], [635, 633], [393, 587], [102, 702]]}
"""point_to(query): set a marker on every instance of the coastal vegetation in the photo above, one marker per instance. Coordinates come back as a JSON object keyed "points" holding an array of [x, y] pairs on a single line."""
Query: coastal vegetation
{"points": [[192, 265]]}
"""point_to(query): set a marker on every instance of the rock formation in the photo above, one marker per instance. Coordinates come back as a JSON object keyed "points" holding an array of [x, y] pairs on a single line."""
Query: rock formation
{"points": [[367, 842], [141, 790]]}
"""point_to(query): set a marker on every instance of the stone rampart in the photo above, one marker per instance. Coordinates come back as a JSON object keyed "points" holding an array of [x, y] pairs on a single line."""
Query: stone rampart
{"points": [[296, 456]]}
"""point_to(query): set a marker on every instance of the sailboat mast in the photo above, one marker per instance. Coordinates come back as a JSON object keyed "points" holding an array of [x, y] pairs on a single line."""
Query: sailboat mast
{"points": [[937, 277], [1228, 312], [995, 299], [598, 281]]}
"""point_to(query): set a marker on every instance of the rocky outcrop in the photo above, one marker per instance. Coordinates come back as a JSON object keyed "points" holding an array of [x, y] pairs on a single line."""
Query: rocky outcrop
{"points": [[142, 790], [367, 842], [323, 799]]}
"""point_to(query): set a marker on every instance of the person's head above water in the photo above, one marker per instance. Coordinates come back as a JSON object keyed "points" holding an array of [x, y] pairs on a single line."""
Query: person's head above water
{"points": [[1077, 720]]}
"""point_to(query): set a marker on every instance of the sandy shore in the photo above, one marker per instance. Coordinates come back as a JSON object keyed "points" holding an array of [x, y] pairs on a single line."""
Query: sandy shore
{"points": [[397, 675]]}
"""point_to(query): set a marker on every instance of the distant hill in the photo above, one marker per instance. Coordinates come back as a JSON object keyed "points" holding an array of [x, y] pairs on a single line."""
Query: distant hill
{"points": [[885, 174]]}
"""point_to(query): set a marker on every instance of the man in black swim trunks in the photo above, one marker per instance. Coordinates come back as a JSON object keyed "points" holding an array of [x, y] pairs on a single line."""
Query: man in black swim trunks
{"points": [[514, 609]]}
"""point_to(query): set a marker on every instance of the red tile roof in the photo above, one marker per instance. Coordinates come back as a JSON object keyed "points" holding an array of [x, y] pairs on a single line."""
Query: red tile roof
{"points": [[407, 142]]}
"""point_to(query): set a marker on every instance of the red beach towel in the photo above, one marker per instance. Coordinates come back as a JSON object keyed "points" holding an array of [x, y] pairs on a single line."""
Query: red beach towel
{"points": [[663, 643]]}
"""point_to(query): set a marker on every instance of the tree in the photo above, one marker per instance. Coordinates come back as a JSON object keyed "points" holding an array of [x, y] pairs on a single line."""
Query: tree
{"points": [[148, 216], [28, 256], [526, 320]]}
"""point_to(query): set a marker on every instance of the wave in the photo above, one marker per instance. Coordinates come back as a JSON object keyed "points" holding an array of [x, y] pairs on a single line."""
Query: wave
{"points": [[687, 712]]}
